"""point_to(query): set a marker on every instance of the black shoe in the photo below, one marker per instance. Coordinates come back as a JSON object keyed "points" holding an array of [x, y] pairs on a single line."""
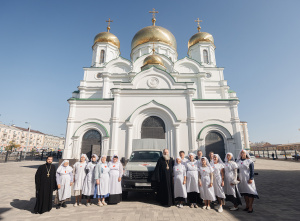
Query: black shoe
{"points": [[64, 205], [250, 211], [58, 206], [246, 209]]}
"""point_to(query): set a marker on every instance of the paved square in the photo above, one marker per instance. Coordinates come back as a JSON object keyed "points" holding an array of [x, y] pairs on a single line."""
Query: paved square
{"points": [[277, 183]]}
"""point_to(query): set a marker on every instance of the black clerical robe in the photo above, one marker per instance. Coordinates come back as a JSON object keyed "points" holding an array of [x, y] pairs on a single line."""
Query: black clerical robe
{"points": [[164, 179], [44, 187]]}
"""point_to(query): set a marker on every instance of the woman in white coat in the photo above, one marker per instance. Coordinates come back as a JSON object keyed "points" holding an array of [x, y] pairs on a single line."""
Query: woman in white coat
{"points": [[102, 180], [115, 177], [192, 182], [218, 167], [207, 192], [247, 186], [230, 182], [179, 173], [79, 176], [89, 185], [64, 180]]}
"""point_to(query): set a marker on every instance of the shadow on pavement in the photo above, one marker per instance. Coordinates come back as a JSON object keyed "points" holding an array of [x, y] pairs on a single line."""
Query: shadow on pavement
{"points": [[37, 166], [279, 195], [24, 204], [32, 166], [148, 198], [3, 210]]}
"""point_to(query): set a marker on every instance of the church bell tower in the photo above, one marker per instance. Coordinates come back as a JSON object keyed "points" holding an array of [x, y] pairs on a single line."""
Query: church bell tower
{"points": [[106, 47], [202, 48]]}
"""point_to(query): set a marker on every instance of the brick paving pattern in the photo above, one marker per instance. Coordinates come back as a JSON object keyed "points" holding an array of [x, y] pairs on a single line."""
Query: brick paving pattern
{"points": [[277, 183]]}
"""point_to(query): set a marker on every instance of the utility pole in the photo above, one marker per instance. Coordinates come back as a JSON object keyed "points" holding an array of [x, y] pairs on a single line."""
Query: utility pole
{"points": [[27, 138]]}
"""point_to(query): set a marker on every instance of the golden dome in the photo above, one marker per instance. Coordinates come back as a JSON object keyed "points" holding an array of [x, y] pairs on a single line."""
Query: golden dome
{"points": [[107, 37], [153, 34], [153, 59], [200, 37]]}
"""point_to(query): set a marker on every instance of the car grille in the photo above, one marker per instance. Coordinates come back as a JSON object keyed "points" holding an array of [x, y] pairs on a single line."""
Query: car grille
{"points": [[140, 175]]}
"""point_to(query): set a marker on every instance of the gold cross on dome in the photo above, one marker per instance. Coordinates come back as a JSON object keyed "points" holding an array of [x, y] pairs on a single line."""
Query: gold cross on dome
{"points": [[198, 26], [108, 25], [153, 16], [153, 49]]}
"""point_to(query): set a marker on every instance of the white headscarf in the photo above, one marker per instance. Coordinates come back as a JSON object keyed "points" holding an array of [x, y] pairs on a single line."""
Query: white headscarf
{"points": [[85, 156], [100, 161], [94, 155], [62, 168], [192, 154], [232, 157], [112, 159], [247, 155], [176, 161], [219, 159], [207, 162]]}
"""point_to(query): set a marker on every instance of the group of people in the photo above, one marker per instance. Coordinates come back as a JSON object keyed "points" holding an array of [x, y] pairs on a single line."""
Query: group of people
{"points": [[196, 180], [92, 180], [201, 181]]}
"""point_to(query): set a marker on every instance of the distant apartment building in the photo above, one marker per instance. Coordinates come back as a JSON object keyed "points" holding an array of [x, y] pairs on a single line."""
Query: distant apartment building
{"points": [[28, 139], [53, 142]]}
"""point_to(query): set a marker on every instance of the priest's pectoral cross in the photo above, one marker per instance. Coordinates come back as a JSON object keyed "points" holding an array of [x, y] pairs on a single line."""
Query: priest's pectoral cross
{"points": [[48, 171], [167, 162]]}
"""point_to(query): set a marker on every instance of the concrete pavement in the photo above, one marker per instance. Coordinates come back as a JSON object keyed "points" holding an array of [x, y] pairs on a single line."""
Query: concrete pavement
{"points": [[277, 183]]}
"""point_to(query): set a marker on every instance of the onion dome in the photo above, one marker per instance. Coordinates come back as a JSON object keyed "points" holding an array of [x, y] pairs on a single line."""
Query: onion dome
{"points": [[154, 60], [155, 34], [107, 37], [200, 37]]}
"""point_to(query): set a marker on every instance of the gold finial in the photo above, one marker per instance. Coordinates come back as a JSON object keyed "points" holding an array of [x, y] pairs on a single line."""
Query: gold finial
{"points": [[108, 25], [198, 26], [153, 49], [153, 16]]}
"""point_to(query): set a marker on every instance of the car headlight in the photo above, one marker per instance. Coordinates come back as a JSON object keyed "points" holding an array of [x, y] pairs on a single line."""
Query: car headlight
{"points": [[126, 173]]}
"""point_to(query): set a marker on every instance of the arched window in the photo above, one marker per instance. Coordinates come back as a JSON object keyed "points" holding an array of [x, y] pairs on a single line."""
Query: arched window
{"points": [[102, 55], [205, 56], [153, 127]]}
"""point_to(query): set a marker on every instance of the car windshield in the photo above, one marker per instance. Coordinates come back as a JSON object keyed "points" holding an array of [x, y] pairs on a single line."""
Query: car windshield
{"points": [[251, 154], [145, 156]]}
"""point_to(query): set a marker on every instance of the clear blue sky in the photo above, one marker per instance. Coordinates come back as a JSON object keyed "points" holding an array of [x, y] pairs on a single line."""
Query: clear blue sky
{"points": [[45, 44]]}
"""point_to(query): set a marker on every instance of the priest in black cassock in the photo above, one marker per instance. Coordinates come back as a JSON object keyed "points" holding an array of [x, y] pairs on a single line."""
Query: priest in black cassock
{"points": [[45, 184], [163, 175]]}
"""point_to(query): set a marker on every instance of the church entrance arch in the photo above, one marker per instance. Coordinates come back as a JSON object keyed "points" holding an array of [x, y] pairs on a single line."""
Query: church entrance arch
{"points": [[164, 120], [91, 143], [214, 142], [153, 127]]}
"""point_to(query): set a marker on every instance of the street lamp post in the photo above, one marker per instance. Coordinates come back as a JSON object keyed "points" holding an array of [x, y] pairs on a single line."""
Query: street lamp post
{"points": [[27, 137]]}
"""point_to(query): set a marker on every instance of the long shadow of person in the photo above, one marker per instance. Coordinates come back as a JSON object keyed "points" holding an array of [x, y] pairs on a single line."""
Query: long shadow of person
{"points": [[24, 204], [3, 210]]}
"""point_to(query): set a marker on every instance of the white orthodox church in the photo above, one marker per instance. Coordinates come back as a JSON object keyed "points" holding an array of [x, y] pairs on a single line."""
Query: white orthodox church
{"points": [[154, 95]]}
